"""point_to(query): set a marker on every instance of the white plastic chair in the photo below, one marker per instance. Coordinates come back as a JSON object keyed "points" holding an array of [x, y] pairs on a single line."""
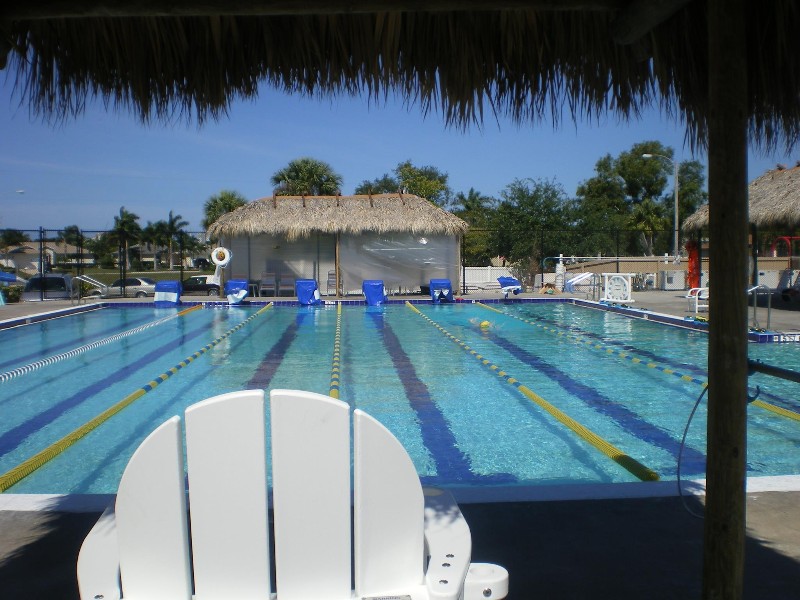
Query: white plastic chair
{"points": [[698, 299], [405, 542]]}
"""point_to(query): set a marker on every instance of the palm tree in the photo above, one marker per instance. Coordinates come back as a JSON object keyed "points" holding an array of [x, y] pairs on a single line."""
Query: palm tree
{"points": [[126, 229], [307, 176], [648, 218], [175, 225], [224, 202]]}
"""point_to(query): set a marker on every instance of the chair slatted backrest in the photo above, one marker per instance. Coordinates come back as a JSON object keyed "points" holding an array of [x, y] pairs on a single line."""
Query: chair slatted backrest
{"points": [[268, 282], [227, 479]]}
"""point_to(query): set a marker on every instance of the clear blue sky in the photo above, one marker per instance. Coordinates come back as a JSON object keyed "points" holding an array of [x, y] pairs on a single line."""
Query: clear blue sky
{"points": [[81, 172]]}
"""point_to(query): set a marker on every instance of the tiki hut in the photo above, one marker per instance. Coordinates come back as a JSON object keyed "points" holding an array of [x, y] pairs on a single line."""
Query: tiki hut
{"points": [[728, 69], [402, 239], [774, 205], [774, 202]]}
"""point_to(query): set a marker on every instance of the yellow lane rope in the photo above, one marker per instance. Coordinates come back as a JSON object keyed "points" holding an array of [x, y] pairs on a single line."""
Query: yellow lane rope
{"points": [[39, 459], [627, 462], [789, 414], [335, 367]]}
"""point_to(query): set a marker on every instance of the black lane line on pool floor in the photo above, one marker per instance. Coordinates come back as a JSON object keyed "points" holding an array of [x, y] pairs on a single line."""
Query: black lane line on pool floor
{"points": [[272, 360], [451, 463], [11, 439], [693, 460]]}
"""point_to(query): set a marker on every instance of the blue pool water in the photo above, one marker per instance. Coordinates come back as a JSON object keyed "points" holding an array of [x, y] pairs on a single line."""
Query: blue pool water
{"points": [[466, 421]]}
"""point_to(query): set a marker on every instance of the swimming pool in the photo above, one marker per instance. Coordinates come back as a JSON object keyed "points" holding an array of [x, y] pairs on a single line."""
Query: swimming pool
{"points": [[515, 394]]}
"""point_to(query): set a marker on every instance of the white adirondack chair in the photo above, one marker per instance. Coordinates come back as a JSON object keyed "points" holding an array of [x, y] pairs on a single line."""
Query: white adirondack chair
{"points": [[406, 543]]}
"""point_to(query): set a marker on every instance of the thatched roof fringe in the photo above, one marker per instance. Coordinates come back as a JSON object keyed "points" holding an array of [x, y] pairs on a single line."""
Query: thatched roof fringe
{"points": [[301, 216], [542, 60]]}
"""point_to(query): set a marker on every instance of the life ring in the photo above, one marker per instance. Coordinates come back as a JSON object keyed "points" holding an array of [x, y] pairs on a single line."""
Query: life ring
{"points": [[221, 256]]}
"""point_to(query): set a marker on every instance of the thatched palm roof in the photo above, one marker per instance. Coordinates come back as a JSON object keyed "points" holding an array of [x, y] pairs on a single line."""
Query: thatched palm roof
{"points": [[774, 199], [298, 216], [525, 58]]}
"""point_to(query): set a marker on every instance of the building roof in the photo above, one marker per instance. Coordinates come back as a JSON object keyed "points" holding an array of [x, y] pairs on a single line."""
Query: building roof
{"points": [[774, 202], [300, 216]]}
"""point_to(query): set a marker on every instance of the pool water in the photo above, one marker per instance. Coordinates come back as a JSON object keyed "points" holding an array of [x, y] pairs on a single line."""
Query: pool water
{"points": [[448, 380]]}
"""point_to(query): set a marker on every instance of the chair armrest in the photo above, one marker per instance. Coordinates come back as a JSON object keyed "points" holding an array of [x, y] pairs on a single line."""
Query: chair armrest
{"points": [[98, 561], [449, 545]]}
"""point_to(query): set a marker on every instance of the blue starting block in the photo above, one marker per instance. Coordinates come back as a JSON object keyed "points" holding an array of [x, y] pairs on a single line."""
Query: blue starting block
{"points": [[168, 293], [374, 291], [441, 291], [307, 292]]}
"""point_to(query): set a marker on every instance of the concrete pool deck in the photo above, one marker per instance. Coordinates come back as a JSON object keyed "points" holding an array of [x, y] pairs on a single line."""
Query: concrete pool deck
{"points": [[597, 546]]}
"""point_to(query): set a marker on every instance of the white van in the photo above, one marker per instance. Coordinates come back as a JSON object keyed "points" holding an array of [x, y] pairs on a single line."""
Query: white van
{"points": [[50, 286]]}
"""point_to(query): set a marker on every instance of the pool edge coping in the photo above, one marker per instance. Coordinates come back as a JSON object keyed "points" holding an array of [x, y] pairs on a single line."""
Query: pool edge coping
{"points": [[81, 503]]}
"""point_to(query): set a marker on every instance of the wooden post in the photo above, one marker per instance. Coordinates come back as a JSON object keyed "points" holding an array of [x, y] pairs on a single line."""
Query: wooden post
{"points": [[723, 559]]}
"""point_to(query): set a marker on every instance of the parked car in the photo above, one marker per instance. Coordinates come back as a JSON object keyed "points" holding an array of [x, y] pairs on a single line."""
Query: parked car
{"points": [[202, 263], [134, 287], [50, 286], [200, 284]]}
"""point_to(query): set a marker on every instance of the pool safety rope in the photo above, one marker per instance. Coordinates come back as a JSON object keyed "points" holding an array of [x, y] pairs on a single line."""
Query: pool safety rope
{"points": [[627, 462], [789, 414], [24, 370], [39, 459], [333, 392]]}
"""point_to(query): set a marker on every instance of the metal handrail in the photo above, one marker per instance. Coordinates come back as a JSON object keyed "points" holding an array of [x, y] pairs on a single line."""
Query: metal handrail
{"points": [[90, 281], [754, 291]]}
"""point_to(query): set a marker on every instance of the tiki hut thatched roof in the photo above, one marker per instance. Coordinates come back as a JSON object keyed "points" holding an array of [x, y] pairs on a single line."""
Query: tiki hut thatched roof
{"points": [[529, 59], [774, 199], [298, 216]]}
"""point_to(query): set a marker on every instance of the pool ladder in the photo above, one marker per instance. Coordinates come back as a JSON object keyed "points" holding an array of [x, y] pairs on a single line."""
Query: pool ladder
{"points": [[77, 298], [754, 291]]}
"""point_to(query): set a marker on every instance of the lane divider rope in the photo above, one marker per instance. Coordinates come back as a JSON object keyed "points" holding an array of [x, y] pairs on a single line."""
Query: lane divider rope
{"points": [[39, 459], [29, 368], [333, 391], [624, 460], [789, 414]]}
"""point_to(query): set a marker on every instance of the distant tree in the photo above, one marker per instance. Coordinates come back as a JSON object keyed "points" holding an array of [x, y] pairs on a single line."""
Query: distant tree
{"points": [[103, 247], [528, 207], [175, 225], [11, 238], [426, 182], [605, 207], [155, 238], [306, 176], [126, 230], [382, 185], [224, 202], [477, 210]]}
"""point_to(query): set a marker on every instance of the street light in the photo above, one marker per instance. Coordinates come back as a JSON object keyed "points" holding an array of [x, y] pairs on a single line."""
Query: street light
{"points": [[675, 232]]}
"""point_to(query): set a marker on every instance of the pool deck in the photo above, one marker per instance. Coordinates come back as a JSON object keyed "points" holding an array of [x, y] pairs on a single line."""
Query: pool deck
{"points": [[595, 542]]}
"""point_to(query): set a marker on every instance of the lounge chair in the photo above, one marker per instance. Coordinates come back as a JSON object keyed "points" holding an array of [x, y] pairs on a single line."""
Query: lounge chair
{"points": [[286, 284], [268, 285], [509, 285], [698, 299], [405, 542]]}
